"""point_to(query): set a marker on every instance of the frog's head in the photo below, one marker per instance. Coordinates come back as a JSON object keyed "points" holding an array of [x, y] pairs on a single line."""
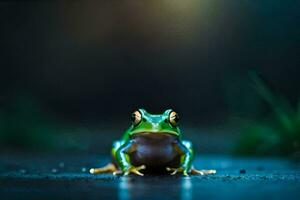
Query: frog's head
{"points": [[144, 122]]}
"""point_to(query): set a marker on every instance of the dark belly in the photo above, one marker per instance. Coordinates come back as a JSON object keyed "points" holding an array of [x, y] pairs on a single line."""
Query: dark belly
{"points": [[155, 150]]}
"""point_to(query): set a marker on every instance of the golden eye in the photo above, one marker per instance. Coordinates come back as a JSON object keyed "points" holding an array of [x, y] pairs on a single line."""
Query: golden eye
{"points": [[173, 118], [136, 117]]}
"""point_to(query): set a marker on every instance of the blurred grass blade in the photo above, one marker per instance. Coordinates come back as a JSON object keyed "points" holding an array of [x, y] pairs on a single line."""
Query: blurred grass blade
{"points": [[298, 114], [280, 108]]}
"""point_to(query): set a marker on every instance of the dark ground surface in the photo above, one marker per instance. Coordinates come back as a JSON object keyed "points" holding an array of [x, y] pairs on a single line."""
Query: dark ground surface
{"points": [[67, 177]]}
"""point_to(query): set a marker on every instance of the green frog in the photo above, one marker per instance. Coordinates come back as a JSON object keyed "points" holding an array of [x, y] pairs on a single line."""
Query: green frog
{"points": [[152, 143]]}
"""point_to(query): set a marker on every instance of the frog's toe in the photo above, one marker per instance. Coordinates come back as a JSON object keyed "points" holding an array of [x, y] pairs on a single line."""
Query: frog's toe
{"points": [[175, 171], [194, 172], [109, 168], [117, 173], [135, 170], [203, 172], [92, 170], [172, 170], [141, 167]]}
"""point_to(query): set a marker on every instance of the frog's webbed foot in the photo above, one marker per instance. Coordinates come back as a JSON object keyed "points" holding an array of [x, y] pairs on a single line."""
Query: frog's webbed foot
{"points": [[109, 168], [179, 170], [202, 172], [193, 171], [131, 170]]}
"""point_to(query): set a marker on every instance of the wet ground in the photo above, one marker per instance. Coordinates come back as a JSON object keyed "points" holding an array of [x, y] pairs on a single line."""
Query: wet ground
{"points": [[67, 177]]}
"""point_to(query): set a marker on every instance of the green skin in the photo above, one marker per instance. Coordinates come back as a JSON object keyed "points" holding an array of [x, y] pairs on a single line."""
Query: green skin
{"points": [[152, 124]]}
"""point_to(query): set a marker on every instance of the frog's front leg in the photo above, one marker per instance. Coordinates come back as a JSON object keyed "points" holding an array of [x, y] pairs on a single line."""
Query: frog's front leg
{"points": [[122, 156], [185, 150], [193, 170]]}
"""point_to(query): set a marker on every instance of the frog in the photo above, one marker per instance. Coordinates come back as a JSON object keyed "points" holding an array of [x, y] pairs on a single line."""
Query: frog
{"points": [[153, 142]]}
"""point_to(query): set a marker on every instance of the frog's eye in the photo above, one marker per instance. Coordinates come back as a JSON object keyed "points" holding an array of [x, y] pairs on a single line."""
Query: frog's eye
{"points": [[136, 117], [173, 118]]}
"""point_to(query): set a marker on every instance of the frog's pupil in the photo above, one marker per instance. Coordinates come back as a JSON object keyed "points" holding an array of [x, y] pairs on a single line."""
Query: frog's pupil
{"points": [[133, 117], [176, 119], [173, 118]]}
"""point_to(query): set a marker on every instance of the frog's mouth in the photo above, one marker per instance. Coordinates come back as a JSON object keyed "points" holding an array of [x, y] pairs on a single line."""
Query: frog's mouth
{"points": [[155, 135]]}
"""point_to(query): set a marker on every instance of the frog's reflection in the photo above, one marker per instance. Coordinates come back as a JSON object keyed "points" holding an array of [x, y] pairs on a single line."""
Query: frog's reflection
{"points": [[186, 188], [155, 188]]}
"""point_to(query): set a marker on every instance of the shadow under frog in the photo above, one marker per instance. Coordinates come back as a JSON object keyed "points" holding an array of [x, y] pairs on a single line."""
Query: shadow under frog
{"points": [[153, 143]]}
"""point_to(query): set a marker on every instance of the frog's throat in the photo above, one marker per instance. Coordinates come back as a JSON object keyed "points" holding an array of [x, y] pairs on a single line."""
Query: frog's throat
{"points": [[146, 132]]}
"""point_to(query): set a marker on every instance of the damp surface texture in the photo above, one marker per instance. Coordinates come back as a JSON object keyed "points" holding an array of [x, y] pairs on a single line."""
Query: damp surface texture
{"points": [[67, 177]]}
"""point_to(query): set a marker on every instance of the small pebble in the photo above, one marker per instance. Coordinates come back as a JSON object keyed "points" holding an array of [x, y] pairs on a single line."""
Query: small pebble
{"points": [[61, 164], [54, 171], [242, 171], [83, 169]]}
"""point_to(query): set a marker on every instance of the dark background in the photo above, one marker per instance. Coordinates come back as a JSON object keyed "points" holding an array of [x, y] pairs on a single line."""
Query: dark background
{"points": [[76, 70]]}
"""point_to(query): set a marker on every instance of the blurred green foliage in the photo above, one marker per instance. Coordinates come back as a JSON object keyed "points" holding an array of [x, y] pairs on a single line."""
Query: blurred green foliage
{"points": [[26, 126], [279, 134], [22, 124]]}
